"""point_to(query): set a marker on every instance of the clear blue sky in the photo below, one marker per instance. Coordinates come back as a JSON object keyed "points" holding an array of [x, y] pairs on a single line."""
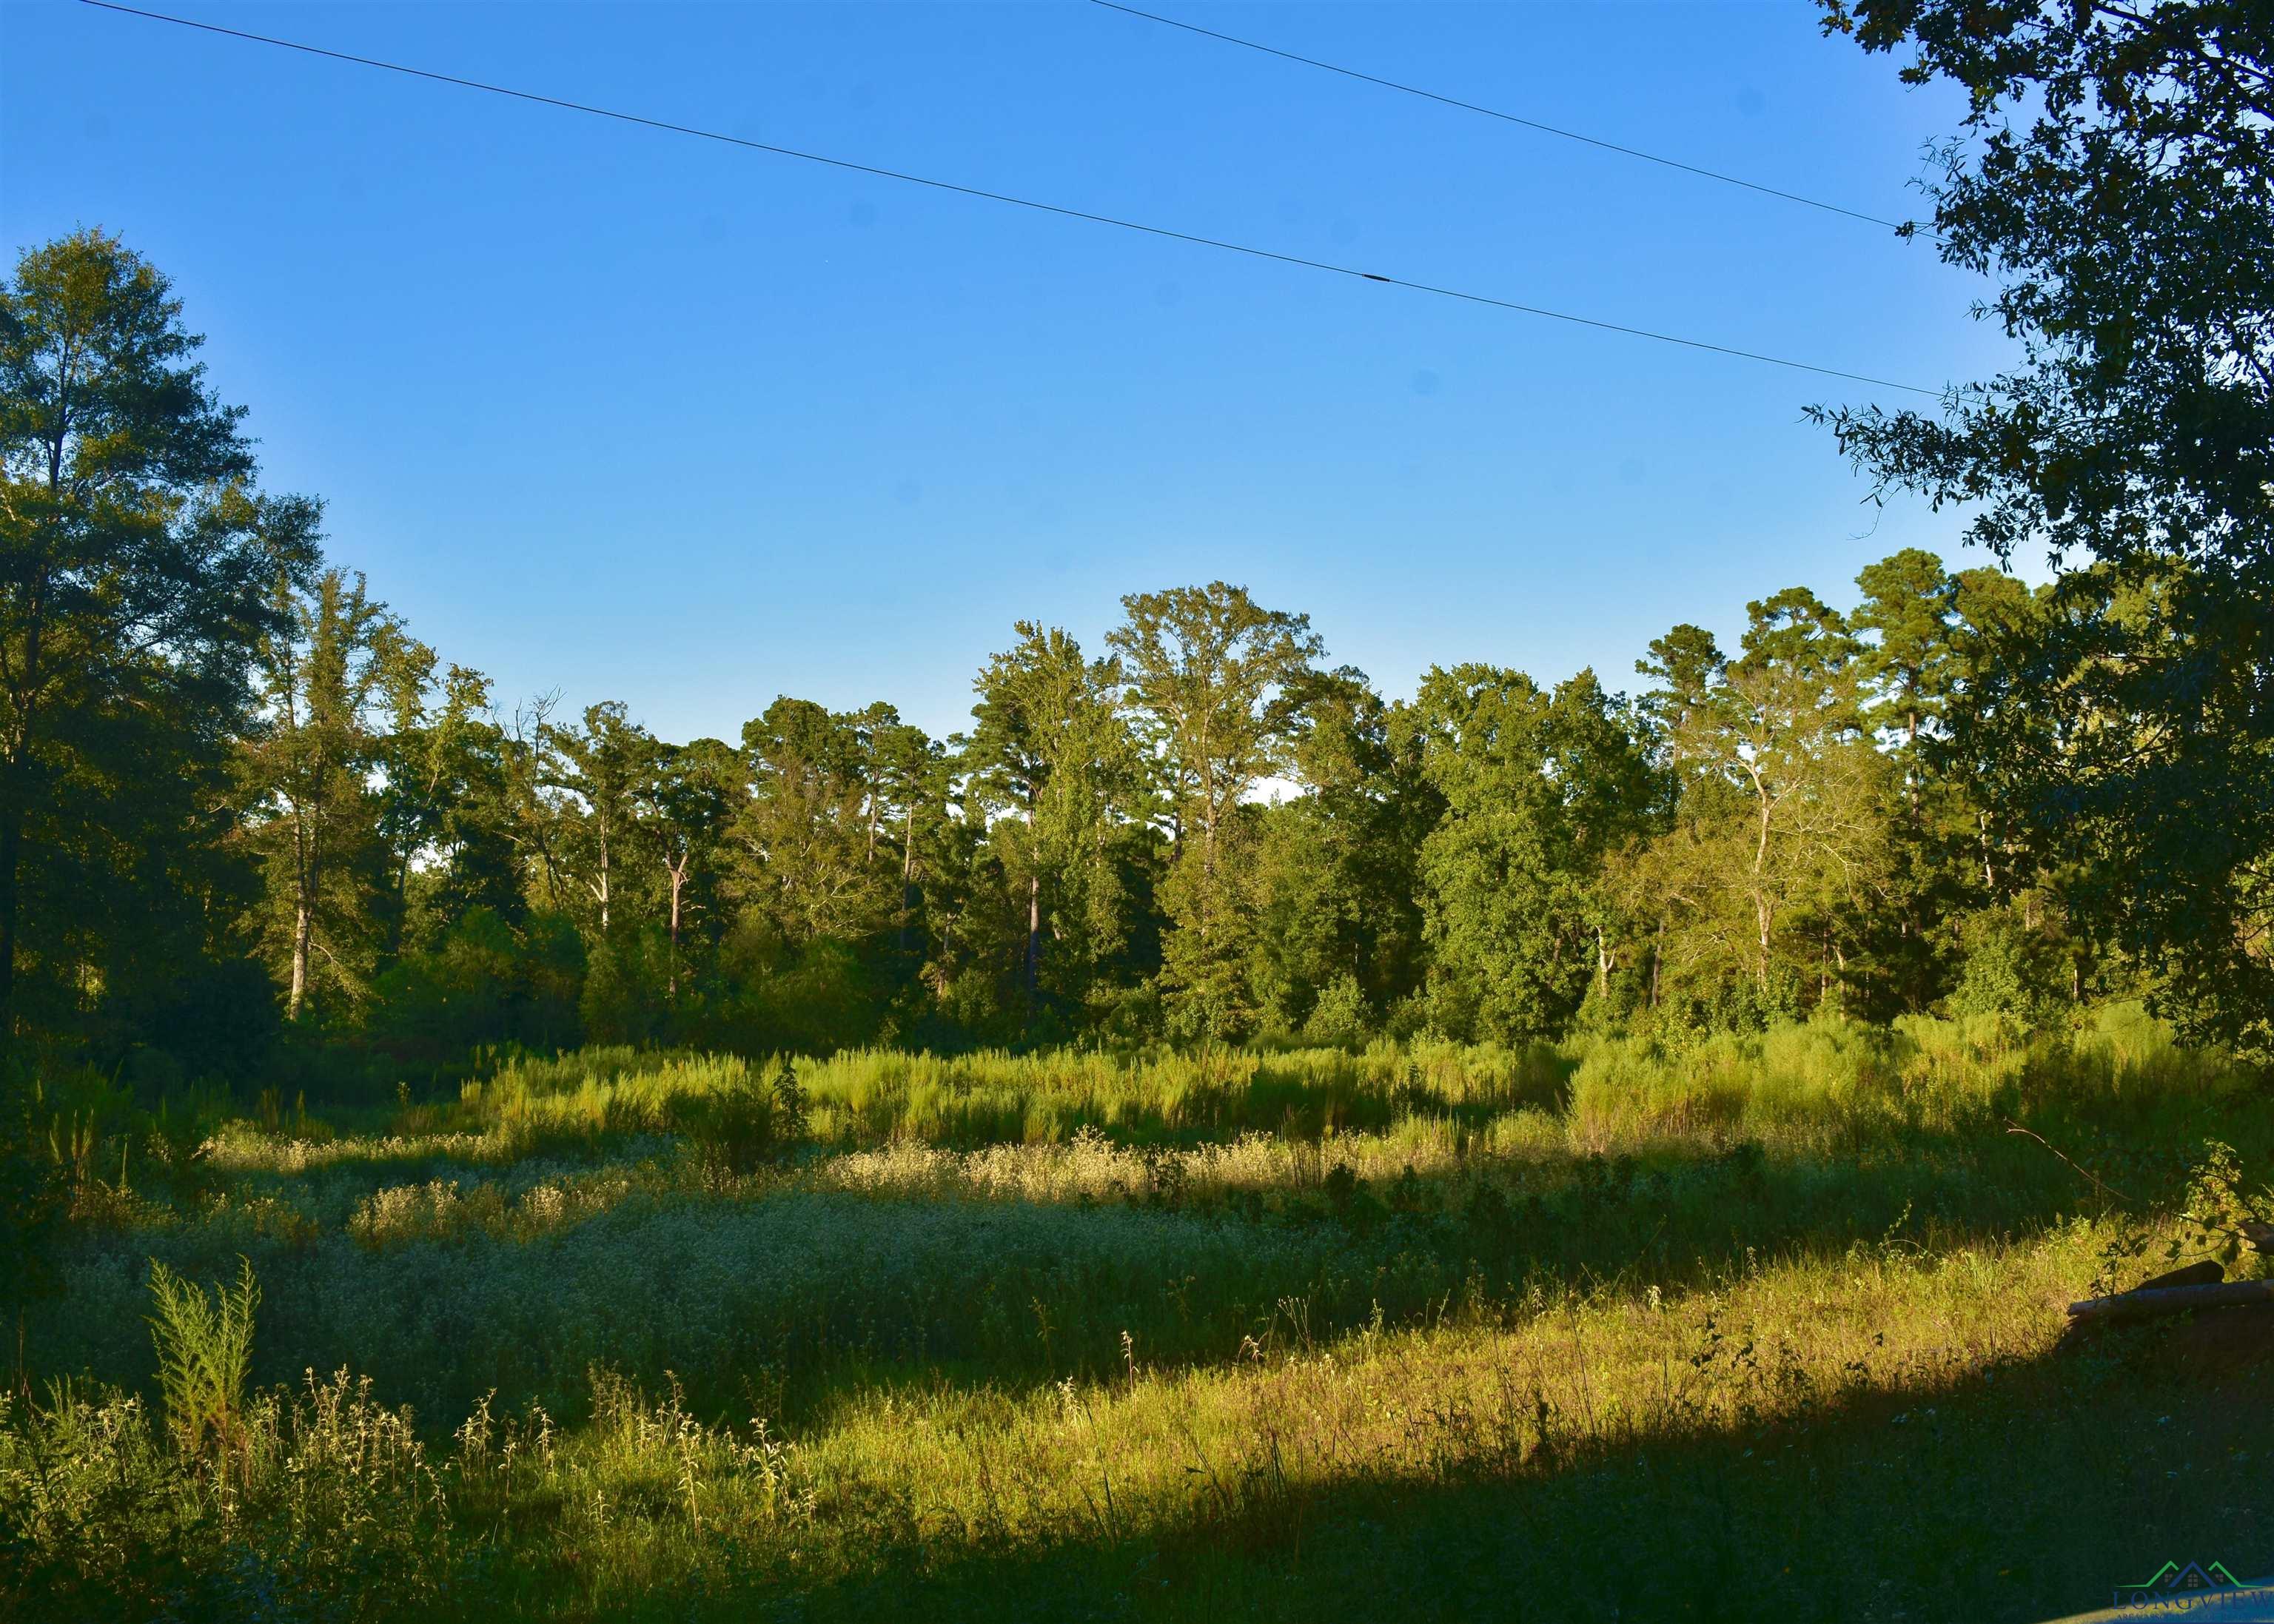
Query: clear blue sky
{"points": [[650, 418]]}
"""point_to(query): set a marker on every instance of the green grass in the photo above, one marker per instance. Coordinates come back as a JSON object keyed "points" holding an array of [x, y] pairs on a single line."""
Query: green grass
{"points": [[1757, 1328]]}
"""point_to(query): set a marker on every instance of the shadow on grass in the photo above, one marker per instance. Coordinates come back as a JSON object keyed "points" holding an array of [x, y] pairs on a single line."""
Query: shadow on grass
{"points": [[2025, 1493], [811, 1297]]}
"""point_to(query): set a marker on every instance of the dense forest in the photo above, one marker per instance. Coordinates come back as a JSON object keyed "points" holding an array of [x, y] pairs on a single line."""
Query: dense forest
{"points": [[251, 826]]}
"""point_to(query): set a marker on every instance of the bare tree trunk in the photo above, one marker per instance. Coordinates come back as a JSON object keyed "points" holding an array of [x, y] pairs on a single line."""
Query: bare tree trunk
{"points": [[305, 874], [303, 930], [1033, 928], [908, 877], [678, 872], [1762, 909], [2172, 1300], [1910, 761]]}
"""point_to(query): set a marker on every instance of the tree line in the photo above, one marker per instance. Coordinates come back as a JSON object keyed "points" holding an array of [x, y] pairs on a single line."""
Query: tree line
{"points": [[243, 805]]}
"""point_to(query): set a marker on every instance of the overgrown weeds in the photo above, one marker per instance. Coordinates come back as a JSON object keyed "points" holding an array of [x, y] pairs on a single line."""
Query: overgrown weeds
{"points": [[1079, 1334]]}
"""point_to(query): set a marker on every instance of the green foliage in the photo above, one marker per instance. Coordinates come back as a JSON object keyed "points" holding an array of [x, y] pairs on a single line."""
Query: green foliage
{"points": [[136, 561], [1219, 686], [1340, 1016], [803, 859], [306, 776], [331, 1513], [1539, 790], [204, 1342], [1052, 748], [1466, 1272], [622, 1000], [2225, 1217], [748, 1123], [1814, 825], [1333, 872], [2008, 970], [2116, 178]]}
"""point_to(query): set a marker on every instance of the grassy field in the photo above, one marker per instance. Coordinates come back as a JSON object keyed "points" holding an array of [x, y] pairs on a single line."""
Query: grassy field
{"points": [[1744, 1328]]}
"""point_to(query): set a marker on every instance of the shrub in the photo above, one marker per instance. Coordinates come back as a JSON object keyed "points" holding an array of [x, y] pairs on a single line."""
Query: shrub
{"points": [[1340, 1018]]}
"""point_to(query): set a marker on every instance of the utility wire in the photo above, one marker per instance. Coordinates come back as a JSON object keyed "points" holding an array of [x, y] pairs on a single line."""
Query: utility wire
{"points": [[1001, 197], [1911, 226]]}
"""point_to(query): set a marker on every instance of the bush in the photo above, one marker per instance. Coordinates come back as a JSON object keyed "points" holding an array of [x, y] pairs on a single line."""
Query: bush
{"points": [[2007, 970], [1340, 1018]]}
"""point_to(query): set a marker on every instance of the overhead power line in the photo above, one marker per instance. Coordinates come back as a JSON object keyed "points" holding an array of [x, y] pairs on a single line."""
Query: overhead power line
{"points": [[1006, 197], [1513, 118]]}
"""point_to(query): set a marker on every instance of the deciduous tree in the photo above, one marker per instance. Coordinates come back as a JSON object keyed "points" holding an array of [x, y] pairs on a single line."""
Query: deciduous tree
{"points": [[1217, 682], [2116, 178]]}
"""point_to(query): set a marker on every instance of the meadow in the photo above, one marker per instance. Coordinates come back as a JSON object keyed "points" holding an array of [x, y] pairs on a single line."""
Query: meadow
{"points": [[1728, 1327]]}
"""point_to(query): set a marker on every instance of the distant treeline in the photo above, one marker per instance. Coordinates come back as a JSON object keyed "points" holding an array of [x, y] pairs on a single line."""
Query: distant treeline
{"points": [[245, 806]]}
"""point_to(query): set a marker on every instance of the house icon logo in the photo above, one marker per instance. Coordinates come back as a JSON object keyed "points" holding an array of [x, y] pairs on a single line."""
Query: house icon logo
{"points": [[2197, 1591]]}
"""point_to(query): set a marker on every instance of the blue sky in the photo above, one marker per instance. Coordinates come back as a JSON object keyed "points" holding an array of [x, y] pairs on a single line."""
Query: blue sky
{"points": [[644, 418]]}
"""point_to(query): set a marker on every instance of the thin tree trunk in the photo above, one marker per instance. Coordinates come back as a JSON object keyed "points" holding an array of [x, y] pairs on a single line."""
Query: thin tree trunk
{"points": [[303, 930], [604, 879], [678, 881], [306, 872], [908, 877], [1761, 907]]}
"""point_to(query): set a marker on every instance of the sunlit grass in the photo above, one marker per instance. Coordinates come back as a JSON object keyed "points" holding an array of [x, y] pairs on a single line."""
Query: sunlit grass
{"points": [[1078, 1334], [1885, 1396]]}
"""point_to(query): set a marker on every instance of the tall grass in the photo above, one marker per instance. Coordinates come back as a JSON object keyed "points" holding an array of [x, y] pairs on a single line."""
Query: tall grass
{"points": [[1086, 1334], [1832, 1082], [871, 1096], [1024, 1262], [1883, 1434], [1813, 1081]]}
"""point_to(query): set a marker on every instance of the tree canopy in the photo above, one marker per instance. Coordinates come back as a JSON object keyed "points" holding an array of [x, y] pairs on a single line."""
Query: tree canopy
{"points": [[2115, 178], [241, 805]]}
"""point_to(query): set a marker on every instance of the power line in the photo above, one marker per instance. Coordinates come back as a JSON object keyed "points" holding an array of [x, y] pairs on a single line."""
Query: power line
{"points": [[1001, 197], [1513, 118]]}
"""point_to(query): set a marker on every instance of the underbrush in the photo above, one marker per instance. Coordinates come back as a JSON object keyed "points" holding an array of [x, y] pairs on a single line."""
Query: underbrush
{"points": [[1814, 1083], [1886, 1434], [1078, 1334]]}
